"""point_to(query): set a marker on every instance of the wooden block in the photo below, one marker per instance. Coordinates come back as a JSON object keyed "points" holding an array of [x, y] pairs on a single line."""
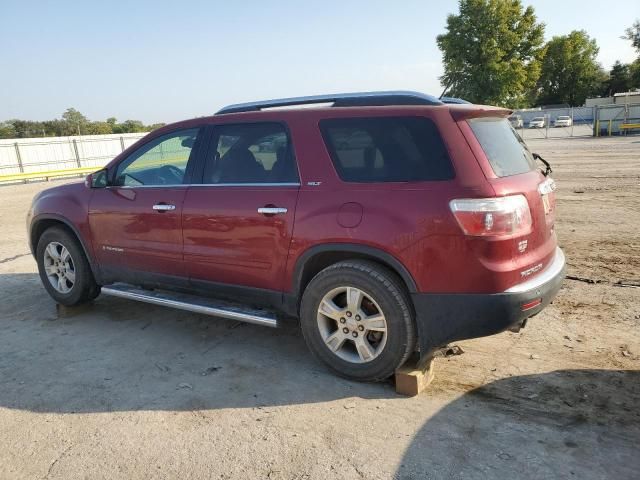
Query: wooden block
{"points": [[67, 312], [411, 380]]}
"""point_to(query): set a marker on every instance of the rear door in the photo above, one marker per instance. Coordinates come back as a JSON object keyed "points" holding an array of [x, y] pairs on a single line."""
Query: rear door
{"points": [[238, 220], [136, 221]]}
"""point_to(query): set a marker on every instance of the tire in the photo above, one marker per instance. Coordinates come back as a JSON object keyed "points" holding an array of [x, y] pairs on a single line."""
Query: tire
{"points": [[335, 343], [75, 265]]}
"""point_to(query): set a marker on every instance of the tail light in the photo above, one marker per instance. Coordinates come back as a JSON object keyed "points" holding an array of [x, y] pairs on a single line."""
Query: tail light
{"points": [[493, 217]]}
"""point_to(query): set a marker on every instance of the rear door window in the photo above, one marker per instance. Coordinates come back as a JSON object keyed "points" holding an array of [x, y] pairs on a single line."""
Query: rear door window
{"points": [[506, 151], [251, 153], [386, 149]]}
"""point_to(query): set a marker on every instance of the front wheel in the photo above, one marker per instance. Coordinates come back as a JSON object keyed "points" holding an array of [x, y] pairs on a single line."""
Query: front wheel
{"points": [[356, 318], [64, 269]]}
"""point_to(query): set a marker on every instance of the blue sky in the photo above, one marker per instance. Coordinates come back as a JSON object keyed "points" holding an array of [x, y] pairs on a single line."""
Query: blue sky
{"points": [[167, 60]]}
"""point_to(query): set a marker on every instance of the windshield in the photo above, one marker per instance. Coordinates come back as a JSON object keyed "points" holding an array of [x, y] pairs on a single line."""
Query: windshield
{"points": [[506, 151], [538, 119]]}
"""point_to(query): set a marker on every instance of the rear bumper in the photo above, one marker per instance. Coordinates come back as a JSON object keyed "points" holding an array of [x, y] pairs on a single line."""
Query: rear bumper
{"points": [[443, 318]]}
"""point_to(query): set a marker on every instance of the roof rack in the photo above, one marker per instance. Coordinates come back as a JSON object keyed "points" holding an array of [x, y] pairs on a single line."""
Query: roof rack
{"points": [[361, 99]]}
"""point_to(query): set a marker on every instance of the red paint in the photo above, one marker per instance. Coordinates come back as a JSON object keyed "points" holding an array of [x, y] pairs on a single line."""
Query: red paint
{"points": [[216, 234], [226, 240]]}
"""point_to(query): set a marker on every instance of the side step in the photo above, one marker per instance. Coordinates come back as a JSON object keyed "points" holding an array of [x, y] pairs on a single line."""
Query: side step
{"points": [[192, 303]]}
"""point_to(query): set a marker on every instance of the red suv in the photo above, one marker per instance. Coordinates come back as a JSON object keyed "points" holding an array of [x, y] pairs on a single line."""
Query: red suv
{"points": [[385, 222]]}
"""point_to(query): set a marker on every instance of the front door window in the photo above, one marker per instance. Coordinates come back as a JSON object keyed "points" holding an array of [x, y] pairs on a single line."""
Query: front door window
{"points": [[162, 161]]}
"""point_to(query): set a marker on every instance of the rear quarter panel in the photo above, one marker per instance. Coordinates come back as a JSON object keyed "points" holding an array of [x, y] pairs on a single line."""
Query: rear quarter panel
{"points": [[410, 220]]}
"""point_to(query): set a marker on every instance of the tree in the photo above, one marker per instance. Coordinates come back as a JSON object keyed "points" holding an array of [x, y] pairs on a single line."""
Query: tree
{"points": [[76, 122], [7, 130], [99, 128], [132, 126], [570, 72], [633, 34], [619, 79], [491, 52], [72, 123]]}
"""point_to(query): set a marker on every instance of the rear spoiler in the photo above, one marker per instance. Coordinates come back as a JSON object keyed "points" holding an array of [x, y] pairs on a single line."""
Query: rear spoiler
{"points": [[465, 112]]}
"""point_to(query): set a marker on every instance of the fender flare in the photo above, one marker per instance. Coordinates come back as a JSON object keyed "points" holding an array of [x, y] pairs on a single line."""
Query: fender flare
{"points": [[72, 227], [376, 253]]}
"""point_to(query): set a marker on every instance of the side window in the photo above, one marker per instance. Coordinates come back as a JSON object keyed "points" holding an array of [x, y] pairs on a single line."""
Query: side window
{"points": [[386, 149], [251, 153], [162, 161]]}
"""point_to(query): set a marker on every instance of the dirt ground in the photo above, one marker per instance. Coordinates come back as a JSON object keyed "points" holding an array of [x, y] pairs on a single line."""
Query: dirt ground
{"points": [[128, 390]]}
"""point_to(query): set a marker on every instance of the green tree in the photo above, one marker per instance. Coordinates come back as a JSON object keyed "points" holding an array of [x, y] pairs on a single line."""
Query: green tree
{"points": [[619, 79], [76, 122], [72, 123], [570, 72], [99, 128], [7, 130], [27, 128], [132, 126], [491, 52], [633, 34], [155, 126]]}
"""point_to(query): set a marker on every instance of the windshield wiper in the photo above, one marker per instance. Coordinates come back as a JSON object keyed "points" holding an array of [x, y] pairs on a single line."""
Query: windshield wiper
{"points": [[547, 165]]}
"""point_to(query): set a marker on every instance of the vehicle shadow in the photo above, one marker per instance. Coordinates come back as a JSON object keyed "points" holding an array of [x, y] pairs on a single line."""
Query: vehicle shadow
{"points": [[562, 424], [120, 355]]}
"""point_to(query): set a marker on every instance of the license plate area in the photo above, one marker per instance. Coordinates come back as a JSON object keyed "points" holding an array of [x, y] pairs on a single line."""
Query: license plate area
{"points": [[548, 195], [547, 204]]}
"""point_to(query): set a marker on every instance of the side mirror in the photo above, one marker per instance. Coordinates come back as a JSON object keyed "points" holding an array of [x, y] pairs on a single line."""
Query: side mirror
{"points": [[97, 179]]}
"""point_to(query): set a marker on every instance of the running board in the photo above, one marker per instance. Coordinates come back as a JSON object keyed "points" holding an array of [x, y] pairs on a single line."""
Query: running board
{"points": [[192, 303]]}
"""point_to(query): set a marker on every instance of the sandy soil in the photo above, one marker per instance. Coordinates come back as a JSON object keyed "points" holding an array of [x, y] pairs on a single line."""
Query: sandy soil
{"points": [[126, 390]]}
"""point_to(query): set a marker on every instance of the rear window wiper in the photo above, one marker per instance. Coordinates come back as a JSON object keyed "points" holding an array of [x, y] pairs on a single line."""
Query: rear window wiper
{"points": [[547, 165]]}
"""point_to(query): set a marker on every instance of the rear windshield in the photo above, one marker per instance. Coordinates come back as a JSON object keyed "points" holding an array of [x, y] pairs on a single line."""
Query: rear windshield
{"points": [[506, 151], [386, 149]]}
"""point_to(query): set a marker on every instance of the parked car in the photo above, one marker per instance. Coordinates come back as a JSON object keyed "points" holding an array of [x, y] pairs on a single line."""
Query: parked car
{"points": [[387, 223], [538, 122], [563, 121], [516, 121]]}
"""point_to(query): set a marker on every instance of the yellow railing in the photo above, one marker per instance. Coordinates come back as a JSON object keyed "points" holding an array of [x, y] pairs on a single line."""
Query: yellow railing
{"points": [[18, 177], [623, 127]]}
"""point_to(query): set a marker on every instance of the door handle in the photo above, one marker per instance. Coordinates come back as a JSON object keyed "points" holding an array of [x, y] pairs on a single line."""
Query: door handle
{"points": [[272, 210], [163, 207]]}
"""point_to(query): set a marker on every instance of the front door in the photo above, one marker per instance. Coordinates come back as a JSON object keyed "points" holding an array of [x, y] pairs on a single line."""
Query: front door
{"points": [[238, 222], [136, 220]]}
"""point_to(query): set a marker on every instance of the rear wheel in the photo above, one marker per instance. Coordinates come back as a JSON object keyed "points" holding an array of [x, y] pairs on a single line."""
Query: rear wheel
{"points": [[64, 268], [357, 319]]}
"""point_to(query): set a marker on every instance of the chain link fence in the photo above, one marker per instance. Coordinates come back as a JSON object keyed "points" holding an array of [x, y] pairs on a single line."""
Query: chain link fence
{"points": [[556, 122]]}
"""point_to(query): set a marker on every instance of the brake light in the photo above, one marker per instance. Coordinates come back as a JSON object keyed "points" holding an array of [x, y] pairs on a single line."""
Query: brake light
{"points": [[493, 217]]}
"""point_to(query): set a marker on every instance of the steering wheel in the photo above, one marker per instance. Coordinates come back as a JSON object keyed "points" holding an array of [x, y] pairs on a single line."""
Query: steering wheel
{"points": [[170, 175]]}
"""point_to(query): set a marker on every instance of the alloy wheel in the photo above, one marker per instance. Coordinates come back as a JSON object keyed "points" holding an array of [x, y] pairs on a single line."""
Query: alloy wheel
{"points": [[352, 324], [59, 267]]}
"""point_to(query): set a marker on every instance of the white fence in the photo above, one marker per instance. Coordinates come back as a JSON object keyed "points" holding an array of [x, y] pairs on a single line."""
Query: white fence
{"points": [[26, 155], [610, 118]]}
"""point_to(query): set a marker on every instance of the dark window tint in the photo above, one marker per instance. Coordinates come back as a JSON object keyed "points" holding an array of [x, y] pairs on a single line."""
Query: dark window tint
{"points": [[386, 149], [162, 161], [251, 153], [506, 151]]}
